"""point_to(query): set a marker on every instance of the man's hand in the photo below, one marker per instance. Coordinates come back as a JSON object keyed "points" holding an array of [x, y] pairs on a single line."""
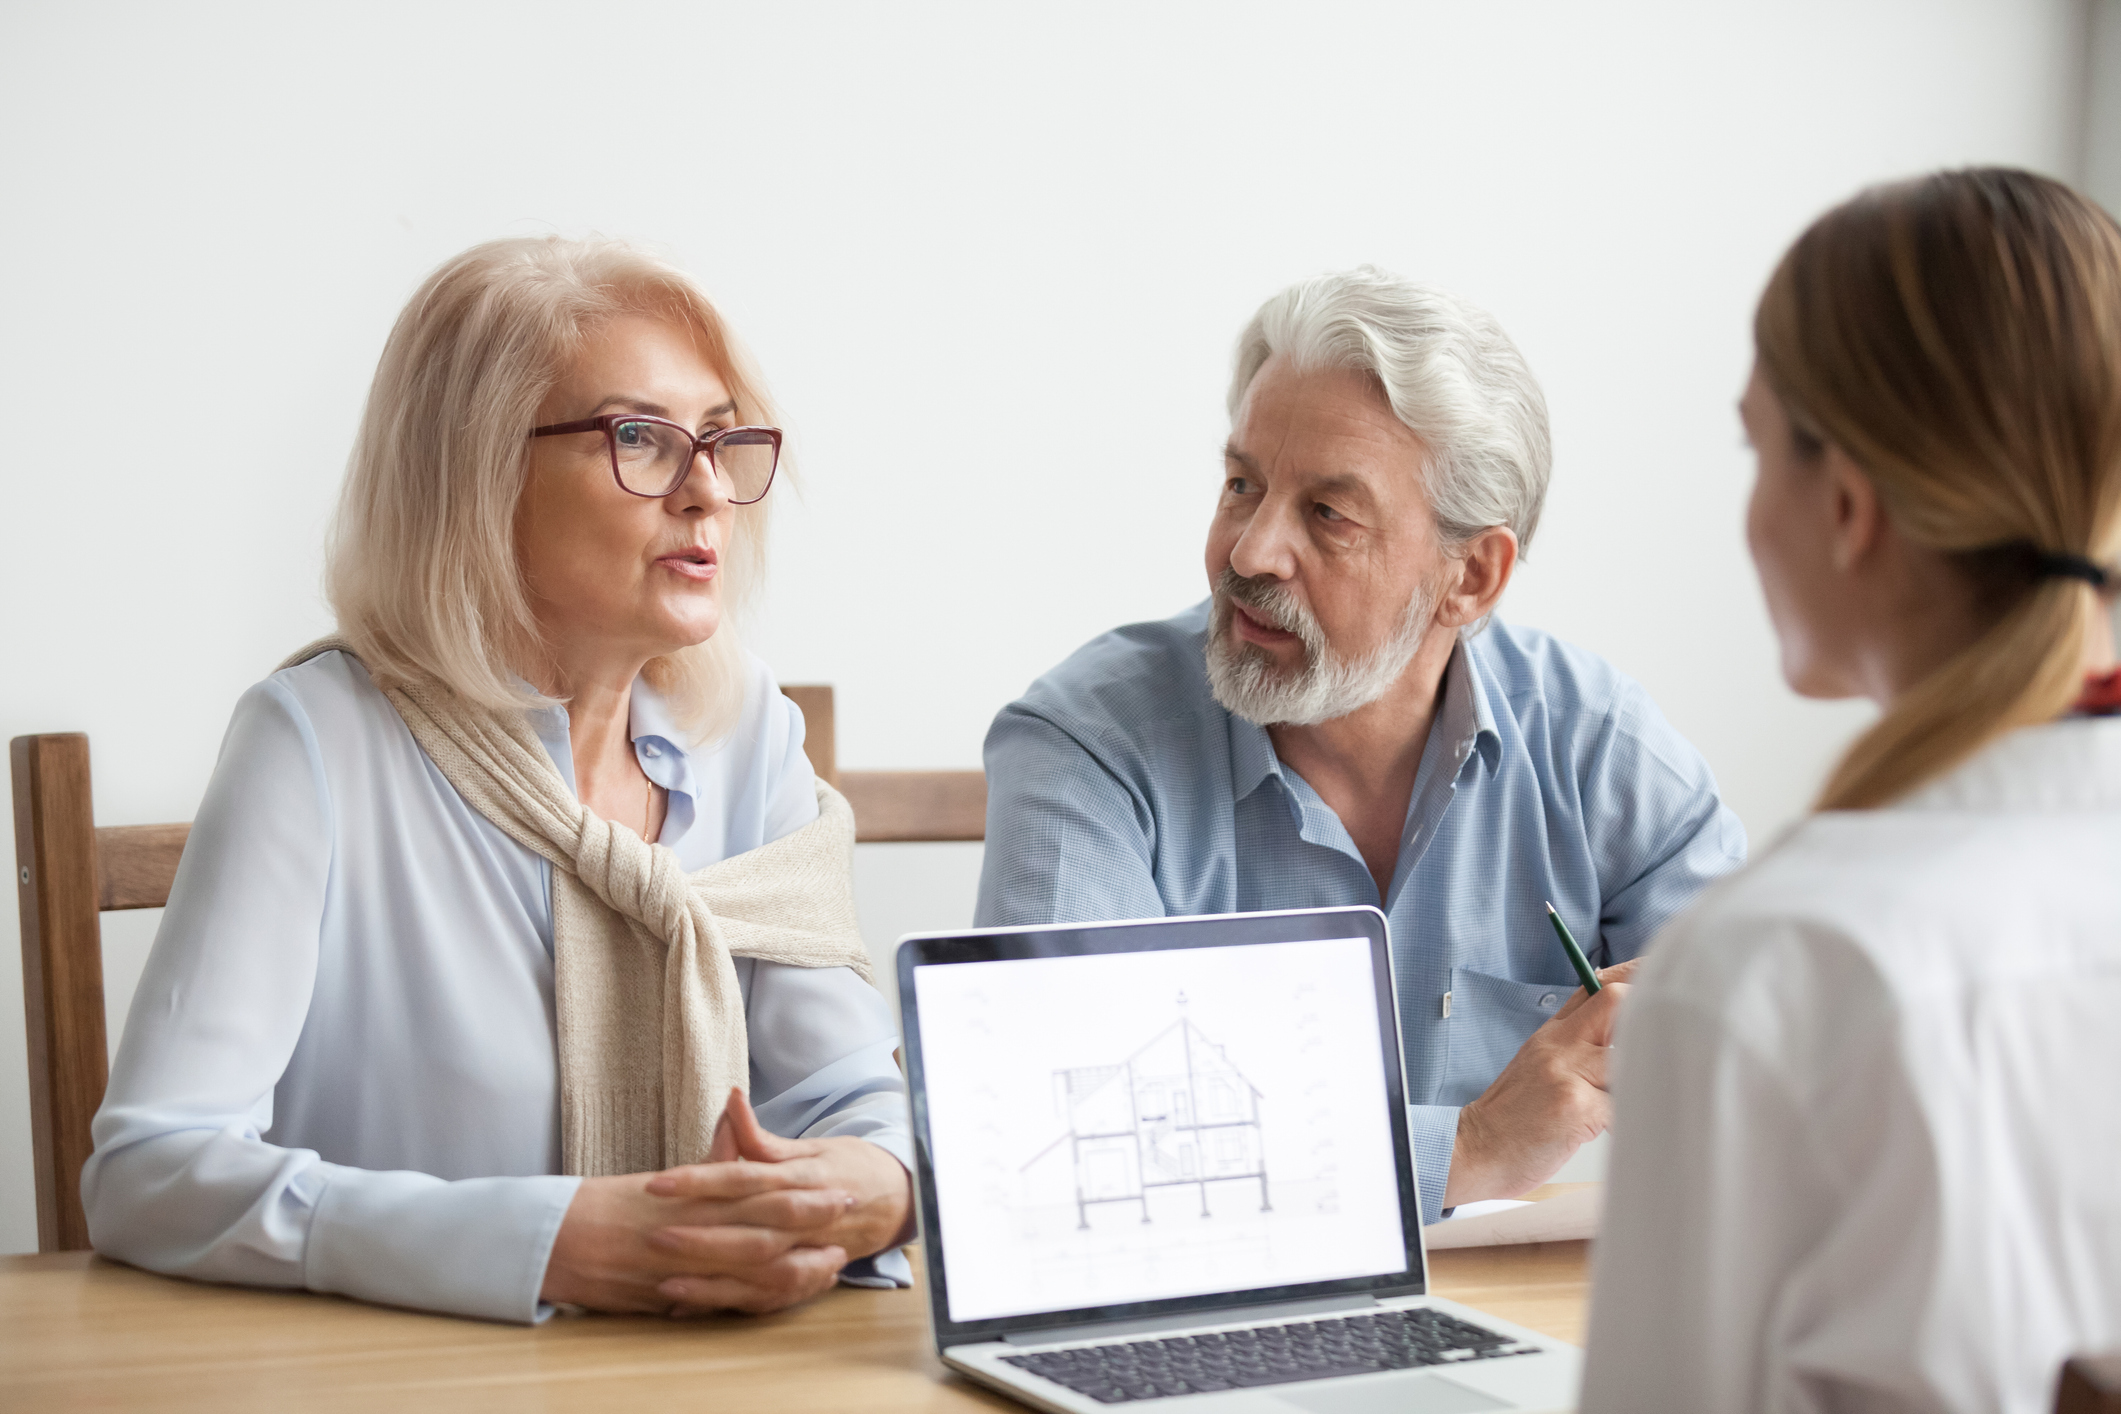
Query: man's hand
{"points": [[1548, 1102], [765, 1223]]}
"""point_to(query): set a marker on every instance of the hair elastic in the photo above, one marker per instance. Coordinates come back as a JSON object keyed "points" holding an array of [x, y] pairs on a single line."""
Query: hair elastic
{"points": [[2055, 566]]}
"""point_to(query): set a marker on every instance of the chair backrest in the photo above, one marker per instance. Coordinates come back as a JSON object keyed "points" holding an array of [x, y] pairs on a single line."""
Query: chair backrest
{"points": [[69, 872], [892, 806], [2091, 1384]]}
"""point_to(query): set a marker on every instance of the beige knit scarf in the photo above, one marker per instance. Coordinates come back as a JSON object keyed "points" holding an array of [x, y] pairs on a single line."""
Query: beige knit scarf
{"points": [[651, 1017]]}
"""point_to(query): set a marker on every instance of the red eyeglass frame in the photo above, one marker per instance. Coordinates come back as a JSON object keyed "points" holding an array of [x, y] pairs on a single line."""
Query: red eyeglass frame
{"points": [[607, 422]]}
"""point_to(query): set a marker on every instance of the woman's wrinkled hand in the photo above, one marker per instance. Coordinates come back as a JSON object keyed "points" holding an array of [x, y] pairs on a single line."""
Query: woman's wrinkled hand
{"points": [[869, 1192], [765, 1223]]}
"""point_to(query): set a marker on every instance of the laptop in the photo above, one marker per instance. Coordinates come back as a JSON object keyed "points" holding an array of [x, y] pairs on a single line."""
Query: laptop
{"points": [[1164, 1165]]}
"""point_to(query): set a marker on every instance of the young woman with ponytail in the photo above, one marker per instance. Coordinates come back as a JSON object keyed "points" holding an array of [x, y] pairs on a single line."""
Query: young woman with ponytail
{"points": [[1868, 1092]]}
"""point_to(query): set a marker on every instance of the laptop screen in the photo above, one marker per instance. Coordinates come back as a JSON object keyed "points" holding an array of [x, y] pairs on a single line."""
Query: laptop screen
{"points": [[1198, 1115]]}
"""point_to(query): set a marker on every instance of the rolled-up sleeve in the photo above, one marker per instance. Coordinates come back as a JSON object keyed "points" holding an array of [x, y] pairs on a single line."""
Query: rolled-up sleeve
{"points": [[1659, 830], [1067, 841], [1432, 1133], [182, 1180]]}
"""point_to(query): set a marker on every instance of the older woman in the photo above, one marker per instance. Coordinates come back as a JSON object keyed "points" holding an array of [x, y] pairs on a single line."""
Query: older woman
{"points": [[1865, 1134], [428, 1020]]}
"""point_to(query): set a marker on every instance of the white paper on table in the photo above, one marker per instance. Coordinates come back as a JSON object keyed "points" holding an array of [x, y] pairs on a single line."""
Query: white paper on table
{"points": [[1566, 1217]]}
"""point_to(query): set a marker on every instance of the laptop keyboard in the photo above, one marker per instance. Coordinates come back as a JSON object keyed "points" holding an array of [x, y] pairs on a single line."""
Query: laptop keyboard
{"points": [[1268, 1355]]}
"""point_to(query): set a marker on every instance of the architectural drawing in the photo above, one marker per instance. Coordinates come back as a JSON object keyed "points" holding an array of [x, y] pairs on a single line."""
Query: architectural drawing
{"points": [[1174, 1113]]}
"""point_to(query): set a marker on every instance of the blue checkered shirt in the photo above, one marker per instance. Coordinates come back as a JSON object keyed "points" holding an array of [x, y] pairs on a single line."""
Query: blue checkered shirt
{"points": [[1117, 787]]}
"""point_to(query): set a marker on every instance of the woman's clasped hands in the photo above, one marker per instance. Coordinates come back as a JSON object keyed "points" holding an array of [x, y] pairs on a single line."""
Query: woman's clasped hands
{"points": [[764, 1223]]}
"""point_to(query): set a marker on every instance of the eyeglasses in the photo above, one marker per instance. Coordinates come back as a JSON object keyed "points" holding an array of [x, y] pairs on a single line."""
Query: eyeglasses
{"points": [[651, 456]]}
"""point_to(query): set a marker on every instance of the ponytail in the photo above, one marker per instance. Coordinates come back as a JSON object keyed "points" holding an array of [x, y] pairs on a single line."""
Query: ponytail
{"points": [[1959, 337], [2022, 671]]}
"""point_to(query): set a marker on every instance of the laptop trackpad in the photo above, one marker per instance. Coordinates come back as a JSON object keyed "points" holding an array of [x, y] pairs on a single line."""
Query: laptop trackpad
{"points": [[1387, 1394]]}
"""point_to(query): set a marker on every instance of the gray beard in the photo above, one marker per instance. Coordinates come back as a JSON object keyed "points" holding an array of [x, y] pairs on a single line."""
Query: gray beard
{"points": [[1247, 682]]}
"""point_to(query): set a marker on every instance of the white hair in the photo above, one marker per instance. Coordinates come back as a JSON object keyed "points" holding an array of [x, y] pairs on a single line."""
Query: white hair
{"points": [[1448, 371]]}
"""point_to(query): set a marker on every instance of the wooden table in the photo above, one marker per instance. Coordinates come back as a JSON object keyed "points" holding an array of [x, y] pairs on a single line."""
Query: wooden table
{"points": [[80, 1333]]}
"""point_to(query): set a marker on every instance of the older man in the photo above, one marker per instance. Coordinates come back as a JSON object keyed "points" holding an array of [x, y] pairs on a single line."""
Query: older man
{"points": [[1342, 722]]}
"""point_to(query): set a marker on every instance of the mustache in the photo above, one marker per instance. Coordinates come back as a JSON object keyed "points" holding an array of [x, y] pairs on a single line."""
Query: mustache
{"points": [[1268, 601]]}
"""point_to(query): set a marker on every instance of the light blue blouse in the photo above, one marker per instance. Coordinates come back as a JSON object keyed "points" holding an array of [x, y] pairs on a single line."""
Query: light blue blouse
{"points": [[339, 1070]]}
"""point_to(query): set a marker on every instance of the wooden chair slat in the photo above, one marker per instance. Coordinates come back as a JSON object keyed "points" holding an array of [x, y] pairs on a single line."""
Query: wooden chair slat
{"points": [[136, 864], [891, 807], [820, 743], [904, 806]]}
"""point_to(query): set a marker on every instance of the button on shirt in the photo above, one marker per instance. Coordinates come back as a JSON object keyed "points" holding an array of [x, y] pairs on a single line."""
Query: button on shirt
{"points": [[1119, 788], [339, 1070]]}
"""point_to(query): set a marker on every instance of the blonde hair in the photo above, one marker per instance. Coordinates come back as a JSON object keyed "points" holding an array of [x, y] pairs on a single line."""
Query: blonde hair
{"points": [[422, 566], [1959, 337]]}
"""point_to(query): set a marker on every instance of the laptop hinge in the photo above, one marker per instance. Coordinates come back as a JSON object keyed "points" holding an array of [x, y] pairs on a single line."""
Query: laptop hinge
{"points": [[1103, 1330]]}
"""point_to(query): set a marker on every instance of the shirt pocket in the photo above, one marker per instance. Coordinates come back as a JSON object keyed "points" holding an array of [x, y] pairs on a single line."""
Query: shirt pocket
{"points": [[1491, 1018]]}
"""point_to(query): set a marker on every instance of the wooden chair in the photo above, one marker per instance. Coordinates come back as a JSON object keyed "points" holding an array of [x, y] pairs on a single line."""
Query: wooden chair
{"points": [[61, 887], [893, 806], [2091, 1384], [69, 871]]}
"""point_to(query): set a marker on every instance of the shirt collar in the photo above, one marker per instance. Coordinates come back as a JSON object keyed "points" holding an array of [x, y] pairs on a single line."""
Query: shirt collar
{"points": [[2073, 764], [657, 744], [1464, 719], [1252, 757], [648, 719], [1465, 716]]}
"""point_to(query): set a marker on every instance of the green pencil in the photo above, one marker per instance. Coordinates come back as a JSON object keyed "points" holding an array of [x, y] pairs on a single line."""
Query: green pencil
{"points": [[1577, 960]]}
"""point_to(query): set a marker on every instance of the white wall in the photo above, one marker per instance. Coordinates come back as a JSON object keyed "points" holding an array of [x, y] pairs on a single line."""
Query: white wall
{"points": [[2102, 101], [993, 259], [2100, 157]]}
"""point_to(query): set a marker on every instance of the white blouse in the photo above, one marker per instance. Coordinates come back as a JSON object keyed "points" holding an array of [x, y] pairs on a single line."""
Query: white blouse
{"points": [[339, 1069], [1867, 1130]]}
